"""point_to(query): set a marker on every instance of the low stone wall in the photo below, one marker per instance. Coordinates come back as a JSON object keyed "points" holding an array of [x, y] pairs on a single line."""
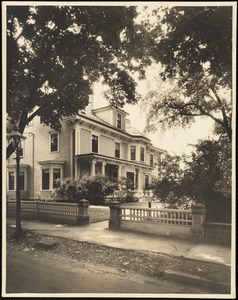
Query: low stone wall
{"points": [[69, 213], [158, 229], [217, 232], [166, 222]]}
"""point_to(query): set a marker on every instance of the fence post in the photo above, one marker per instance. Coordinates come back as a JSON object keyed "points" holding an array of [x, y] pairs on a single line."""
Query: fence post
{"points": [[198, 219], [83, 215], [114, 221]]}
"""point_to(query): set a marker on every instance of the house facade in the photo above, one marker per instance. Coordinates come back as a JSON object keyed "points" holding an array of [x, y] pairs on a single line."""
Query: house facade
{"points": [[97, 141]]}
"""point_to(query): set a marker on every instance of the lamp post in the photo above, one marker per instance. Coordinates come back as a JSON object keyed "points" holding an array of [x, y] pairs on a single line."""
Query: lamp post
{"points": [[16, 142]]}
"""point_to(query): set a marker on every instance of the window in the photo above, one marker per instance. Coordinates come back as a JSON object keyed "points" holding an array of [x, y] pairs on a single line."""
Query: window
{"points": [[11, 181], [151, 160], [21, 148], [130, 180], [142, 154], [117, 150], [133, 153], [95, 143], [146, 182], [45, 179], [51, 170], [56, 175], [21, 152], [54, 142], [118, 121]]}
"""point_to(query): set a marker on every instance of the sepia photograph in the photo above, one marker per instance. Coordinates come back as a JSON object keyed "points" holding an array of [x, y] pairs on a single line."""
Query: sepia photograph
{"points": [[118, 147]]}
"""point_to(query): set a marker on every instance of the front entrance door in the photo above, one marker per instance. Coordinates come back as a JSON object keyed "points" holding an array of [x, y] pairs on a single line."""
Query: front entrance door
{"points": [[131, 180]]}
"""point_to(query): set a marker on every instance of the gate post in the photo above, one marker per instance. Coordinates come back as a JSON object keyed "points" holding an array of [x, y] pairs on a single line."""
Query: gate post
{"points": [[83, 215], [114, 221], [198, 219]]}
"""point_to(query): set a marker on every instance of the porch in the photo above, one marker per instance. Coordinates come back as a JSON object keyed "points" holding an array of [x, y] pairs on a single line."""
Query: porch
{"points": [[139, 174]]}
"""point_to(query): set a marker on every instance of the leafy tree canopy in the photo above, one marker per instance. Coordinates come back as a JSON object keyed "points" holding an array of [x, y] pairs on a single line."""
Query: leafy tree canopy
{"points": [[202, 177], [208, 171], [194, 47], [55, 53]]}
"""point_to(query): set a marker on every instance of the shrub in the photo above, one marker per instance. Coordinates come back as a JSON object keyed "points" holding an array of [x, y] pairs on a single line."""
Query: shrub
{"points": [[125, 194], [98, 188], [71, 190], [94, 189]]}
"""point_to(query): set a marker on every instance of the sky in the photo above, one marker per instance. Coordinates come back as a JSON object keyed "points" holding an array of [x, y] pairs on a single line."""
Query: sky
{"points": [[175, 141]]}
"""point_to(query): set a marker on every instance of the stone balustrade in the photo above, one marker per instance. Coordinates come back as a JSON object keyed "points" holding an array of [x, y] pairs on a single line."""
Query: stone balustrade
{"points": [[69, 213], [168, 222]]}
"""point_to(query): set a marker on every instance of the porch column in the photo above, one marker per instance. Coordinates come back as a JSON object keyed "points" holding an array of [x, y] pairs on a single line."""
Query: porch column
{"points": [[103, 168], [139, 179], [93, 163], [119, 172]]}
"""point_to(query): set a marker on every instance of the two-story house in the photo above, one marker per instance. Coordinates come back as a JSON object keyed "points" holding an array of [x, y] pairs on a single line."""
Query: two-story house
{"points": [[96, 141]]}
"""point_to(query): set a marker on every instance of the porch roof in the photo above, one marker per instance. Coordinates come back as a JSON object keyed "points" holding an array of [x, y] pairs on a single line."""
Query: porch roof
{"points": [[108, 159]]}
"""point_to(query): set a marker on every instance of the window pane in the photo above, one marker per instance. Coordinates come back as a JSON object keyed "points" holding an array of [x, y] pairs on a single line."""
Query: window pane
{"points": [[11, 181], [133, 152], [118, 121], [56, 175], [95, 144], [54, 142], [151, 160], [21, 181], [142, 151], [117, 150], [45, 179]]}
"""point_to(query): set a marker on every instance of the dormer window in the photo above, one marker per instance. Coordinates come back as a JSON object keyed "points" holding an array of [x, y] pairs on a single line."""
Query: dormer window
{"points": [[119, 121]]}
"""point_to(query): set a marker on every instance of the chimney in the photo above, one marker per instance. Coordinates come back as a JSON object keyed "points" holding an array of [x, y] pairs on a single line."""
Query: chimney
{"points": [[128, 123]]}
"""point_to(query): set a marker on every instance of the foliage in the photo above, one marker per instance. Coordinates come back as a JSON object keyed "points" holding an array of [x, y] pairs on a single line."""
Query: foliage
{"points": [[168, 187], [71, 190], [93, 189], [55, 53], [125, 192], [98, 187], [204, 178], [194, 47], [207, 177]]}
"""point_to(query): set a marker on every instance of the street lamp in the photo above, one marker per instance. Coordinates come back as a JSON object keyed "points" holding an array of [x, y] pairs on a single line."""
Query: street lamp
{"points": [[16, 143]]}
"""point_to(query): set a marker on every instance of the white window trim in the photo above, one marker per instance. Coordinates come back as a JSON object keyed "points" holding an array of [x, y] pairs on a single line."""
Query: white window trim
{"points": [[119, 149], [15, 182], [118, 114], [51, 165], [54, 132], [92, 134], [144, 153], [135, 152], [23, 148]]}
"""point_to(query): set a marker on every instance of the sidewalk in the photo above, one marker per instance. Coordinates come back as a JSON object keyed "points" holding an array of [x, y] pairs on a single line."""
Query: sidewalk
{"points": [[99, 233]]}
